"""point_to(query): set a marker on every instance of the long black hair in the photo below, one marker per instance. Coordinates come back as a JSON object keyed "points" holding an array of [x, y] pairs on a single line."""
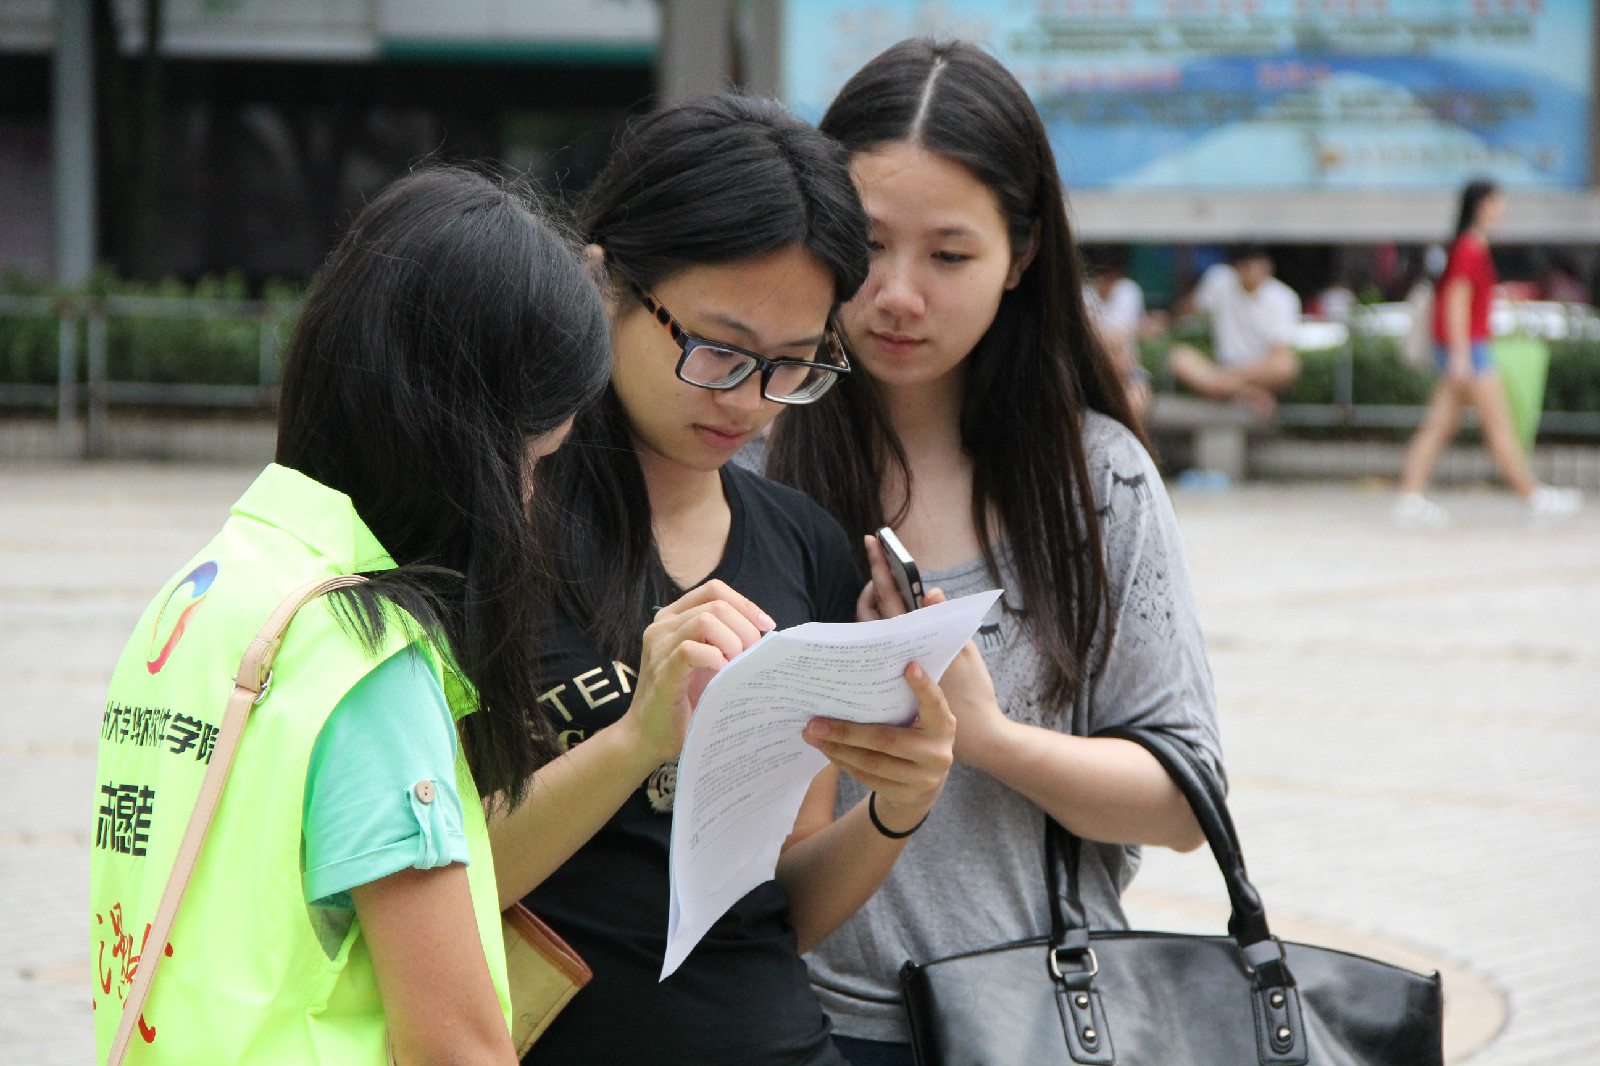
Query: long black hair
{"points": [[1030, 378], [452, 323], [720, 180], [1472, 198]]}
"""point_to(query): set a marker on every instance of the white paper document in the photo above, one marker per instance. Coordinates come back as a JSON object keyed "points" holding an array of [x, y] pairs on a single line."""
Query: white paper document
{"points": [[744, 769]]}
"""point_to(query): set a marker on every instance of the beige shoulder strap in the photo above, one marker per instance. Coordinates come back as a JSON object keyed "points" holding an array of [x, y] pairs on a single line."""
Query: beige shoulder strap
{"points": [[250, 686]]}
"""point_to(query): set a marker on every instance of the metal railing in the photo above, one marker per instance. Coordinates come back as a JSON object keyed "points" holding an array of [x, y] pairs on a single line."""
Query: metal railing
{"points": [[83, 319], [82, 325]]}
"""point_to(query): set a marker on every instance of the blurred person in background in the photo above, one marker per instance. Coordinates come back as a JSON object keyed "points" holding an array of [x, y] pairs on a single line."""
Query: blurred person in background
{"points": [[1253, 321], [1116, 304], [1353, 283], [1336, 302], [1467, 373], [1560, 281]]}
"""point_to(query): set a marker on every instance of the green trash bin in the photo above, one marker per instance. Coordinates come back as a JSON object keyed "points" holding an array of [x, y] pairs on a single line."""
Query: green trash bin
{"points": [[1523, 362]]}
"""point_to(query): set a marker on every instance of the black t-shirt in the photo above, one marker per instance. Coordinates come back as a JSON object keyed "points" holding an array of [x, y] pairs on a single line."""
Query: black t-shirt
{"points": [[742, 995]]}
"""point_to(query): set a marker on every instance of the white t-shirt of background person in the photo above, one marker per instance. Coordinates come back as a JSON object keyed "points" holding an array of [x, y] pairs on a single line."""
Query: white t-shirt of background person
{"points": [[1120, 313], [1245, 326]]}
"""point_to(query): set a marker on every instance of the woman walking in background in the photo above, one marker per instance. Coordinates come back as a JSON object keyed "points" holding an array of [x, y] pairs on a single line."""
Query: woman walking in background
{"points": [[989, 426], [1467, 374], [344, 900]]}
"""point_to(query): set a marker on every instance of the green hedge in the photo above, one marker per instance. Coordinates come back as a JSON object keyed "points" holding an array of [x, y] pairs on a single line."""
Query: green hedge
{"points": [[1574, 381], [1378, 376], [27, 345], [227, 352], [1381, 377], [222, 351]]}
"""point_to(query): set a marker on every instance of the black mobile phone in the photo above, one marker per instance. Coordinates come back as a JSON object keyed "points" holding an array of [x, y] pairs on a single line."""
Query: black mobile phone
{"points": [[904, 568]]}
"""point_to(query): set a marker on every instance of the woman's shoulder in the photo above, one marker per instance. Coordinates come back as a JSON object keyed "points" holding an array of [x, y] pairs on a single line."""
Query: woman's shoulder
{"points": [[784, 524], [1466, 249], [1108, 445], [401, 698], [764, 498], [1127, 487], [748, 471]]}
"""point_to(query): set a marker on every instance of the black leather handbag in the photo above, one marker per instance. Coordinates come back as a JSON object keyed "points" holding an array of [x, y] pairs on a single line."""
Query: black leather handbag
{"points": [[1124, 998]]}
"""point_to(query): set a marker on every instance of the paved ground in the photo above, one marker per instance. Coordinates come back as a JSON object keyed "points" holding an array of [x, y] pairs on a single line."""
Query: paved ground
{"points": [[1412, 723]]}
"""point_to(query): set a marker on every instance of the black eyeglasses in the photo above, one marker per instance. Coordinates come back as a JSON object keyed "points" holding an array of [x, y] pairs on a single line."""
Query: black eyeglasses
{"points": [[717, 365]]}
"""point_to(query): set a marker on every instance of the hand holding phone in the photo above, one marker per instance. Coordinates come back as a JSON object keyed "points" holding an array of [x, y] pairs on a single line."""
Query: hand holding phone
{"points": [[907, 579]]}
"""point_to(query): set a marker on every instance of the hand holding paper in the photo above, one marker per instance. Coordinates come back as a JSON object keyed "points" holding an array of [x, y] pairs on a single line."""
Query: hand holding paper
{"points": [[689, 640], [744, 768], [904, 766]]}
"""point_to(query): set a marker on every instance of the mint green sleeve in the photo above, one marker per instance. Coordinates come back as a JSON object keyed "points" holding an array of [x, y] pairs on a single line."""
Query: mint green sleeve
{"points": [[362, 817]]}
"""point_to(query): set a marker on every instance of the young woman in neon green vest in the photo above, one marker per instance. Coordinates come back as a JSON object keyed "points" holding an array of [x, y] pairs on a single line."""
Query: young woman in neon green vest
{"points": [[345, 897]]}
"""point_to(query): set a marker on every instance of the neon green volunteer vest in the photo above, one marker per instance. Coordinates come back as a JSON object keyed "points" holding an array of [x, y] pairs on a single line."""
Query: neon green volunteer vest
{"points": [[245, 979]]}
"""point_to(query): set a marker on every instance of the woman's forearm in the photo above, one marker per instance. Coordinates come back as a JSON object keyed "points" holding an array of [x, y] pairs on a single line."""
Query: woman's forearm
{"points": [[1102, 789], [830, 867], [573, 797], [1458, 319], [567, 803], [830, 873]]}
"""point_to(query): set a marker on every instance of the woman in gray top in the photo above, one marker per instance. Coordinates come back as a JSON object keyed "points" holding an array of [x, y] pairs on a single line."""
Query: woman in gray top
{"points": [[988, 426]]}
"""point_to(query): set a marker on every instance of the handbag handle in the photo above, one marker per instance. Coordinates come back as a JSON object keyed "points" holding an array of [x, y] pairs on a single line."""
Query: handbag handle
{"points": [[1199, 784], [250, 686]]}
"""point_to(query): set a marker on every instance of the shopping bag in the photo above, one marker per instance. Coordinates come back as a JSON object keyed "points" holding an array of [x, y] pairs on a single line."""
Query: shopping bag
{"points": [[1523, 362]]}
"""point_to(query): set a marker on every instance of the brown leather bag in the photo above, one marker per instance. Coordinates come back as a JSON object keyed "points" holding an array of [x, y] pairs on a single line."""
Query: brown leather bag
{"points": [[544, 973]]}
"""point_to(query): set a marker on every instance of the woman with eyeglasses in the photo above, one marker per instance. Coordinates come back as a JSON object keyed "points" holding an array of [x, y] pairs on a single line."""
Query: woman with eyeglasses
{"points": [[726, 233]]}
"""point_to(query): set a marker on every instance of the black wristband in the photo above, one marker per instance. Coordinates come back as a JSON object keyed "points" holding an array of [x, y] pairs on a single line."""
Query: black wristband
{"points": [[872, 812]]}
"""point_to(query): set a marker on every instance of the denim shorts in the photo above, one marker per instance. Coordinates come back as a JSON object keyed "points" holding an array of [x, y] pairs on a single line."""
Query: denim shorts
{"points": [[1481, 363]]}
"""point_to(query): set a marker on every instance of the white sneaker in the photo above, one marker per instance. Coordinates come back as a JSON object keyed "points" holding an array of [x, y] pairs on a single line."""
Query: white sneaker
{"points": [[1413, 510], [1547, 501]]}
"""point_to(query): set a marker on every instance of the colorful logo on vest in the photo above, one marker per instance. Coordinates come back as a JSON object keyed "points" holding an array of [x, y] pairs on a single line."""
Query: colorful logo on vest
{"points": [[176, 612]]}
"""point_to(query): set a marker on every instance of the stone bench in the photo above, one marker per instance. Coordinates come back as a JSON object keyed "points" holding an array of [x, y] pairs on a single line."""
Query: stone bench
{"points": [[1219, 431]]}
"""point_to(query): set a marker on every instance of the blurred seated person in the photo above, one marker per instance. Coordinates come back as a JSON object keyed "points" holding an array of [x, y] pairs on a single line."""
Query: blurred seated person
{"points": [[1253, 322], [1335, 303], [1116, 307], [1560, 281], [1339, 300]]}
